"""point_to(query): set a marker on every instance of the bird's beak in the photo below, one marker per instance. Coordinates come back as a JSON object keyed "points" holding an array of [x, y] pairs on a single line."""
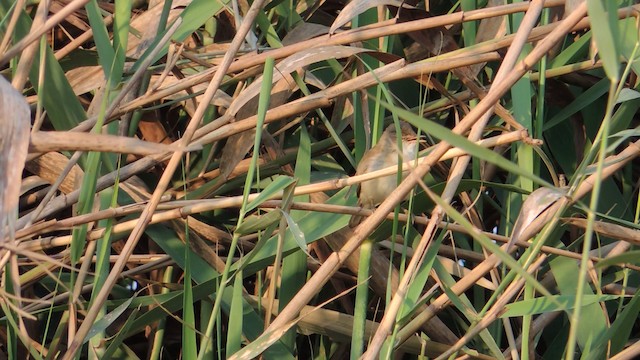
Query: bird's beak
{"points": [[421, 139]]}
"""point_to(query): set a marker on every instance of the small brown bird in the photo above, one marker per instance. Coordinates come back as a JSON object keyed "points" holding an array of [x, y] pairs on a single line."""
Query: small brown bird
{"points": [[383, 155]]}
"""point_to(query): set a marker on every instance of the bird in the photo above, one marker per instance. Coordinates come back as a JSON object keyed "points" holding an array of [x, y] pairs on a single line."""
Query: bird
{"points": [[382, 155]]}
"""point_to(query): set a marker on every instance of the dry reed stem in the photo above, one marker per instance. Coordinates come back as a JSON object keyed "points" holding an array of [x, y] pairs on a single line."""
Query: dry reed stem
{"points": [[619, 160], [491, 315], [339, 325], [146, 163], [275, 279], [397, 70], [457, 173], [79, 40], [631, 352], [514, 136], [180, 211], [567, 69], [344, 38], [36, 33], [132, 83], [198, 206], [11, 26], [46, 141], [194, 207], [498, 140], [485, 105], [32, 217], [163, 183], [360, 233], [28, 55]]}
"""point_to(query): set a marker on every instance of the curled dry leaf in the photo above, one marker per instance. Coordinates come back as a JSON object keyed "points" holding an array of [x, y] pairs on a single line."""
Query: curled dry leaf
{"points": [[357, 7], [537, 202], [15, 123]]}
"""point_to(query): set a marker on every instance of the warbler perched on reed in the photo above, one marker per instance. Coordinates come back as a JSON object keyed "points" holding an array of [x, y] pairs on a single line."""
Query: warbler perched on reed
{"points": [[382, 155]]}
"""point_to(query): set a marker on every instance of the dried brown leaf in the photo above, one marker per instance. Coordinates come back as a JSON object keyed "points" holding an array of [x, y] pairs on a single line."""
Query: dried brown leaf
{"points": [[535, 204], [357, 7], [15, 123], [304, 31], [489, 28], [50, 165]]}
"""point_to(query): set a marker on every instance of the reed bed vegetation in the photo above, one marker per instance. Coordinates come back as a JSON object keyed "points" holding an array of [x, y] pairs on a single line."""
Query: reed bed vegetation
{"points": [[177, 179]]}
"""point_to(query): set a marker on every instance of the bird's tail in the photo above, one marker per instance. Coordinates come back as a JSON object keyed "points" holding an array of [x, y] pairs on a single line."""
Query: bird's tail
{"points": [[357, 219]]}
